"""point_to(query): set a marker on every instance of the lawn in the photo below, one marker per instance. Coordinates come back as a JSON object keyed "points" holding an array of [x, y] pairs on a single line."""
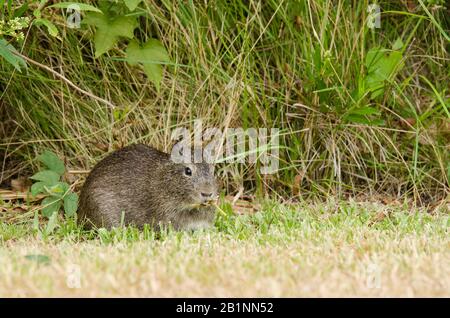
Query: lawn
{"points": [[335, 248], [358, 91]]}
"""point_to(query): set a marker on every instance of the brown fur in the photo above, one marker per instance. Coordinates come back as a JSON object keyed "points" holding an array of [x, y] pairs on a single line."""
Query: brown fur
{"points": [[141, 185]]}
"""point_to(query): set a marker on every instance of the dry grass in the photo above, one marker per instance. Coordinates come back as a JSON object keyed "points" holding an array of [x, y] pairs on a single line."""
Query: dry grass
{"points": [[305, 251]]}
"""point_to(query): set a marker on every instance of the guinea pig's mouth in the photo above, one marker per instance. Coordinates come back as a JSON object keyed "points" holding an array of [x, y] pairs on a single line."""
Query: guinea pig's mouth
{"points": [[206, 203], [209, 203]]}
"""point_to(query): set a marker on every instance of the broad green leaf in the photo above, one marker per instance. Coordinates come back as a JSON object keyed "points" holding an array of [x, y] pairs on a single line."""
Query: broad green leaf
{"points": [[37, 188], [70, 203], [76, 6], [47, 176], [132, 4], [6, 51], [373, 57], [50, 205], [59, 189], [381, 67], [151, 55], [109, 30], [52, 162], [51, 28]]}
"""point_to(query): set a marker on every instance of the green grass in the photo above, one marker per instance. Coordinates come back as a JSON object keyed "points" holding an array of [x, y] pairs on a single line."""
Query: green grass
{"points": [[324, 249], [294, 65]]}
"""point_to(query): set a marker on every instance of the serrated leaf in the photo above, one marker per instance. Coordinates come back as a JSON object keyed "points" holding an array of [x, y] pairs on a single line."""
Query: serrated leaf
{"points": [[381, 67], [70, 204], [6, 51], [21, 10], [37, 188], [50, 206], [47, 176], [51, 28], [151, 55], [52, 162], [109, 30], [132, 4], [76, 6]]}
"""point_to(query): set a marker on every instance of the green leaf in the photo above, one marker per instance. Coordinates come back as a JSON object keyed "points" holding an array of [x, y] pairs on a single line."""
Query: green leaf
{"points": [[359, 119], [50, 206], [70, 203], [21, 10], [151, 55], [381, 67], [52, 162], [37, 188], [59, 189], [377, 122], [6, 51], [366, 110], [51, 28], [132, 4], [109, 30], [398, 44], [47, 176], [120, 114], [75, 5]]}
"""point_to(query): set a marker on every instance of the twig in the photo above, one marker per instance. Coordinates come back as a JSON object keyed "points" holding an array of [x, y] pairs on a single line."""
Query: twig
{"points": [[62, 77]]}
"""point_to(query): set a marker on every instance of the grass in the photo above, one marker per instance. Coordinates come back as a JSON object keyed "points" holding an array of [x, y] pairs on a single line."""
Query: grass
{"points": [[293, 65], [299, 66], [325, 249]]}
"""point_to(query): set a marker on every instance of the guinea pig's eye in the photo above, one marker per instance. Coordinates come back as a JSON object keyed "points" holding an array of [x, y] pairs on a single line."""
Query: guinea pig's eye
{"points": [[188, 171]]}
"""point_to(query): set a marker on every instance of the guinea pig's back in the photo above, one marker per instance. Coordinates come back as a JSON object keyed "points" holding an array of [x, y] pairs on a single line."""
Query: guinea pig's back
{"points": [[113, 191]]}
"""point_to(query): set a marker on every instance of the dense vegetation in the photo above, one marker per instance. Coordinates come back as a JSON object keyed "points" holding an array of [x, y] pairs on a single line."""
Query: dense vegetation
{"points": [[361, 110], [338, 249]]}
